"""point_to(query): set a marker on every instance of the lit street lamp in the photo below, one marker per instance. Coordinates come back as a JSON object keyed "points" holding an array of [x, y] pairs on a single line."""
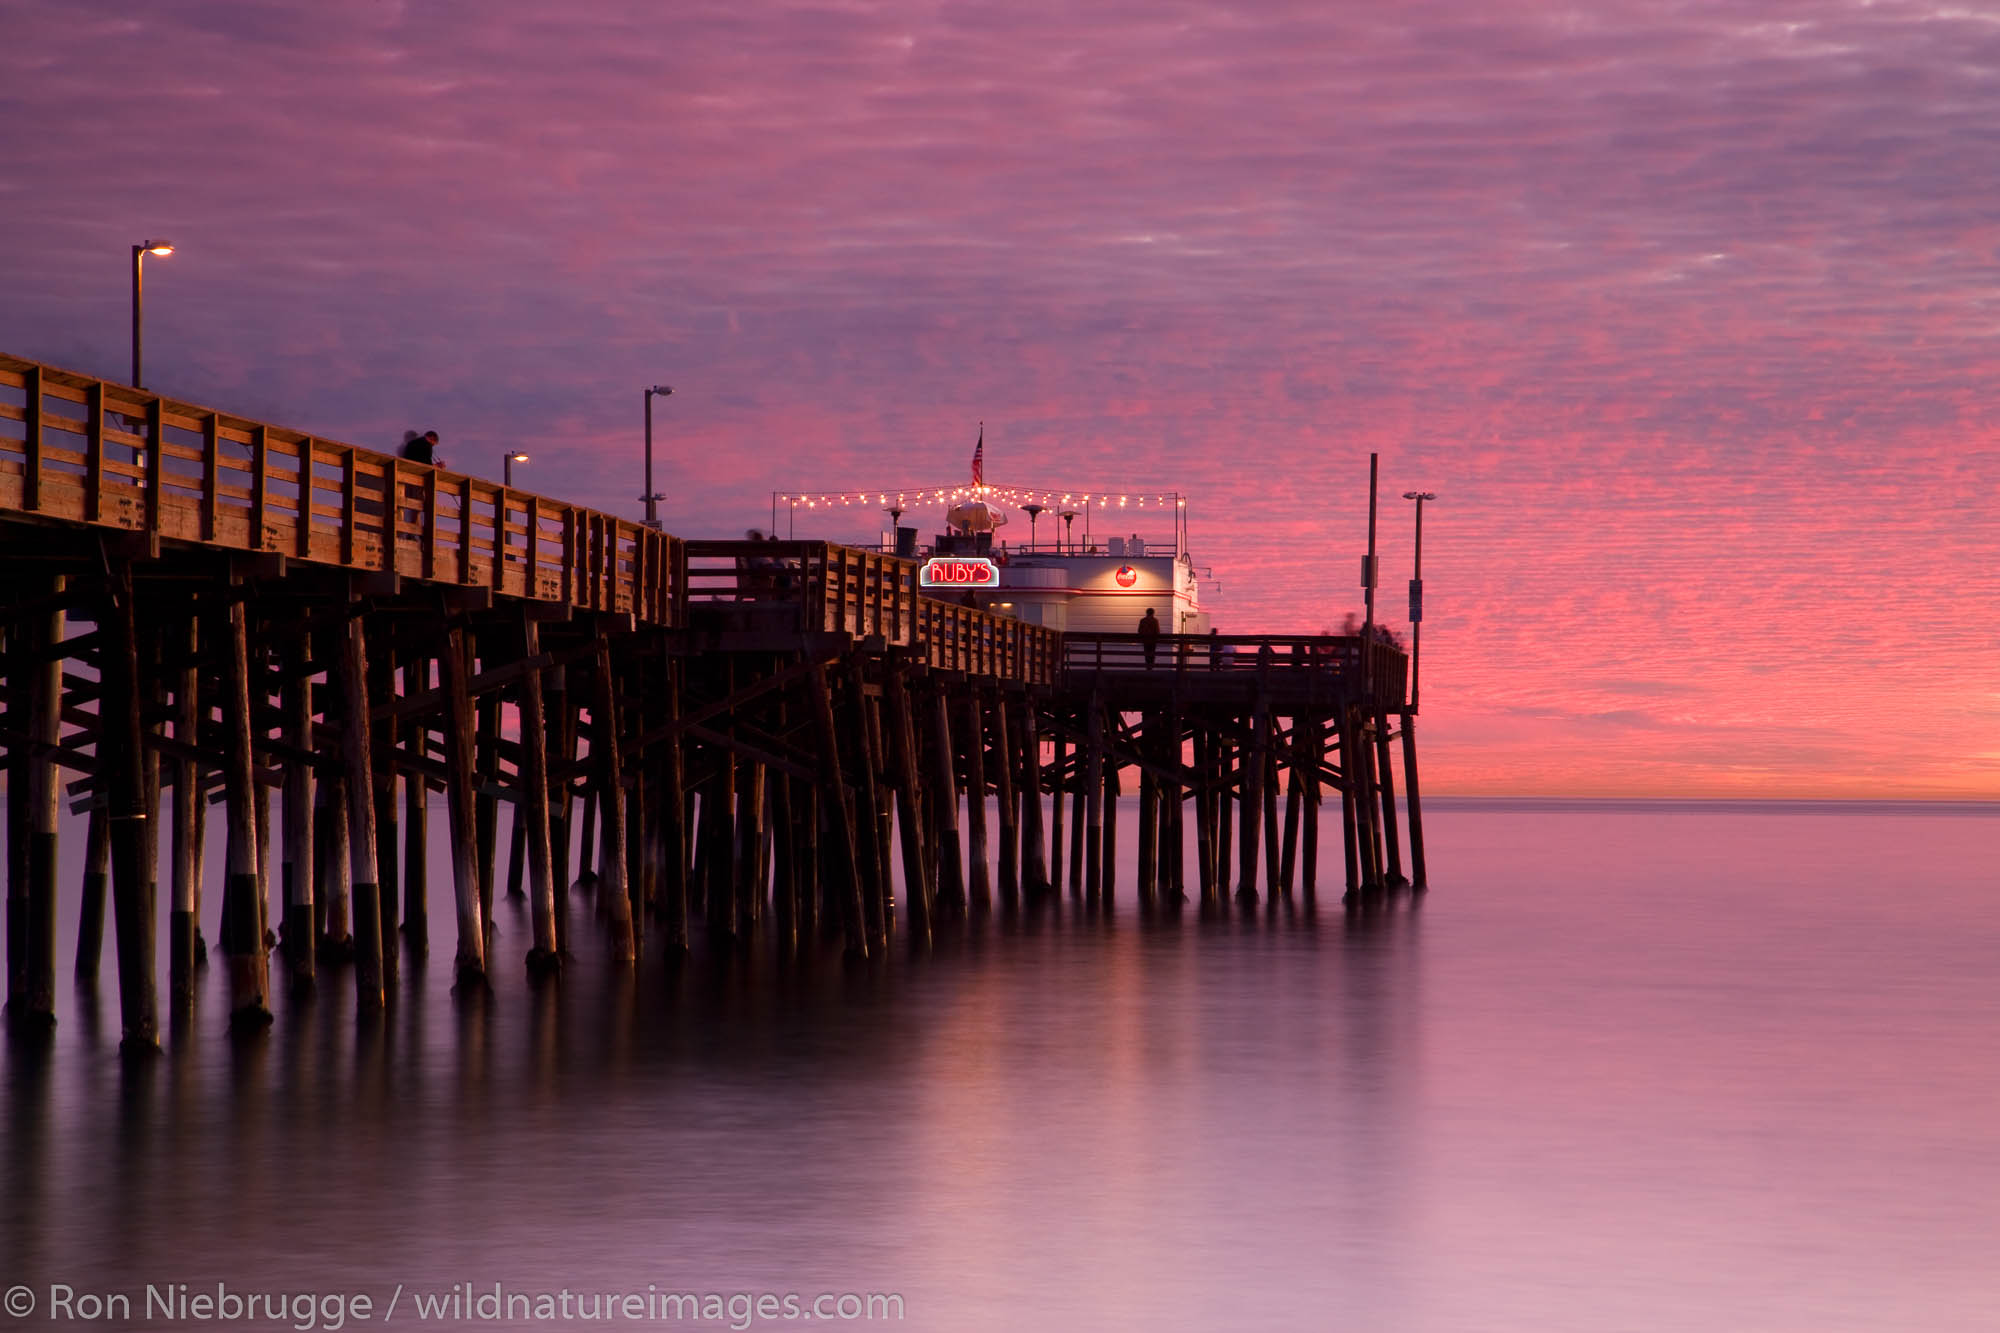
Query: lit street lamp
{"points": [[651, 496], [139, 253], [507, 465]]}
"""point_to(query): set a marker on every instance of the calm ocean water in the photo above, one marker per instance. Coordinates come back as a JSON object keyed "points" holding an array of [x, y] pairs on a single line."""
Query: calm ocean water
{"points": [[1626, 1066]]}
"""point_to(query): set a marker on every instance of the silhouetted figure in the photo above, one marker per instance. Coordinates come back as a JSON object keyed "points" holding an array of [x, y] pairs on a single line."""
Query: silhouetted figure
{"points": [[418, 449], [781, 572], [1149, 635], [423, 448], [1215, 650]]}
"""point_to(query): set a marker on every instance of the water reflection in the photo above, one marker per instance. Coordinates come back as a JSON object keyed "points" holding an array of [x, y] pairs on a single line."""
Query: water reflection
{"points": [[1458, 1111]]}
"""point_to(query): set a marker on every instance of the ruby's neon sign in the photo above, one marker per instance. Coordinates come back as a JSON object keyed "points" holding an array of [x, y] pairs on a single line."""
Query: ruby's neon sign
{"points": [[959, 572]]}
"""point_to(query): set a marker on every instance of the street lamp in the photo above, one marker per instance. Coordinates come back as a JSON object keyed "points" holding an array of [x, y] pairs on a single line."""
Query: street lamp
{"points": [[1068, 516], [652, 497], [1417, 591], [139, 253], [1419, 880], [507, 462]]}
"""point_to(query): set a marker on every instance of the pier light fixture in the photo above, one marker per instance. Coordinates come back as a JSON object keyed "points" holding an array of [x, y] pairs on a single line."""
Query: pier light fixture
{"points": [[507, 462], [1068, 516], [650, 496], [139, 253], [1034, 513], [1417, 591]]}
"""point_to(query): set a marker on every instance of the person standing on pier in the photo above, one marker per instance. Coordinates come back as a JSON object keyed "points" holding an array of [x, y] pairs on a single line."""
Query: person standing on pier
{"points": [[418, 449], [1149, 635]]}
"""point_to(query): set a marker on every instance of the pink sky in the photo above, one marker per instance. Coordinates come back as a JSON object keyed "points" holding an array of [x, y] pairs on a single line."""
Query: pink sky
{"points": [[1686, 311]]}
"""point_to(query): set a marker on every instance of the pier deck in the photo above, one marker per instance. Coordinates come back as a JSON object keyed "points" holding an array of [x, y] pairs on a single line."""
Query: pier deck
{"points": [[763, 737]]}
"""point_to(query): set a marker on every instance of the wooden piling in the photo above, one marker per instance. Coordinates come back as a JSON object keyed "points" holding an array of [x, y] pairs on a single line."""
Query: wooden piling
{"points": [[562, 747], [919, 889], [750, 879], [1252, 802], [121, 775], [460, 723], [614, 894], [1173, 831], [517, 857], [1034, 855], [944, 791], [840, 814], [296, 924], [1272, 856], [1149, 814], [1204, 815], [362, 892], [1058, 759], [1093, 795], [184, 885], [1009, 811], [1368, 843], [1294, 809], [1385, 779], [531, 810], [485, 804], [1418, 879], [1225, 822], [1350, 835], [1113, 789], [96, 878], [416, 814], [31, 901], [784, 866], [587, 857], [243, 902], [638, 878], [980, 887], [872, 869], [673, 802], [720, 848], [1079, 820]]}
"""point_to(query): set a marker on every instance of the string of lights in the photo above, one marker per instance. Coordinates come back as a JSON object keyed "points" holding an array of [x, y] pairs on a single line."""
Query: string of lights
{"points": [[908, 497]]}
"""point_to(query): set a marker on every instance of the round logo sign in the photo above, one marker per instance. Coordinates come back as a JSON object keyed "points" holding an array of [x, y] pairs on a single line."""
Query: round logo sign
{"points": [[1126, 576]]}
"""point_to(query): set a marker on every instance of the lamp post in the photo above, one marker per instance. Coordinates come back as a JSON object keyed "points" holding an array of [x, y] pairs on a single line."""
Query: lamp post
{"points": [[652, 497], [139, 253], [1417, 592], [1068, 516], [507, 462], [1419, 880]]}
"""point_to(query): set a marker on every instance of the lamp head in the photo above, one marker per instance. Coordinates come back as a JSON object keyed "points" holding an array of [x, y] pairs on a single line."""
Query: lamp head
{"points": [[661, 390], [517, 458], [157, 247], [1420, 495]]}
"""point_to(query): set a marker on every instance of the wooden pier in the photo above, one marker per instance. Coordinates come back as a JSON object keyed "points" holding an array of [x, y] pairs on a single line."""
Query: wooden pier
{"points": [[723, 739]]}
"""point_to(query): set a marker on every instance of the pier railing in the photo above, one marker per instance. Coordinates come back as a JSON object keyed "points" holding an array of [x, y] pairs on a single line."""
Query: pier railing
{"points": [[1330, 658], [77, 448], [822, 587]]}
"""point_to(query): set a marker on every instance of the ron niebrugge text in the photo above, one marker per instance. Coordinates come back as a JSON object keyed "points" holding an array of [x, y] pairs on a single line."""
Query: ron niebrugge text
{"points": [[306, 1311]]}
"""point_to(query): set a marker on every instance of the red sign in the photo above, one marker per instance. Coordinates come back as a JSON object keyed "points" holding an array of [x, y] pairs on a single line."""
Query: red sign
{"points": [[1126, 576], [959, 571]]}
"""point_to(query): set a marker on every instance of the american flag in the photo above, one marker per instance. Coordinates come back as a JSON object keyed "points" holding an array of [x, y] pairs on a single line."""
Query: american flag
{"points": [[979, 458]]}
